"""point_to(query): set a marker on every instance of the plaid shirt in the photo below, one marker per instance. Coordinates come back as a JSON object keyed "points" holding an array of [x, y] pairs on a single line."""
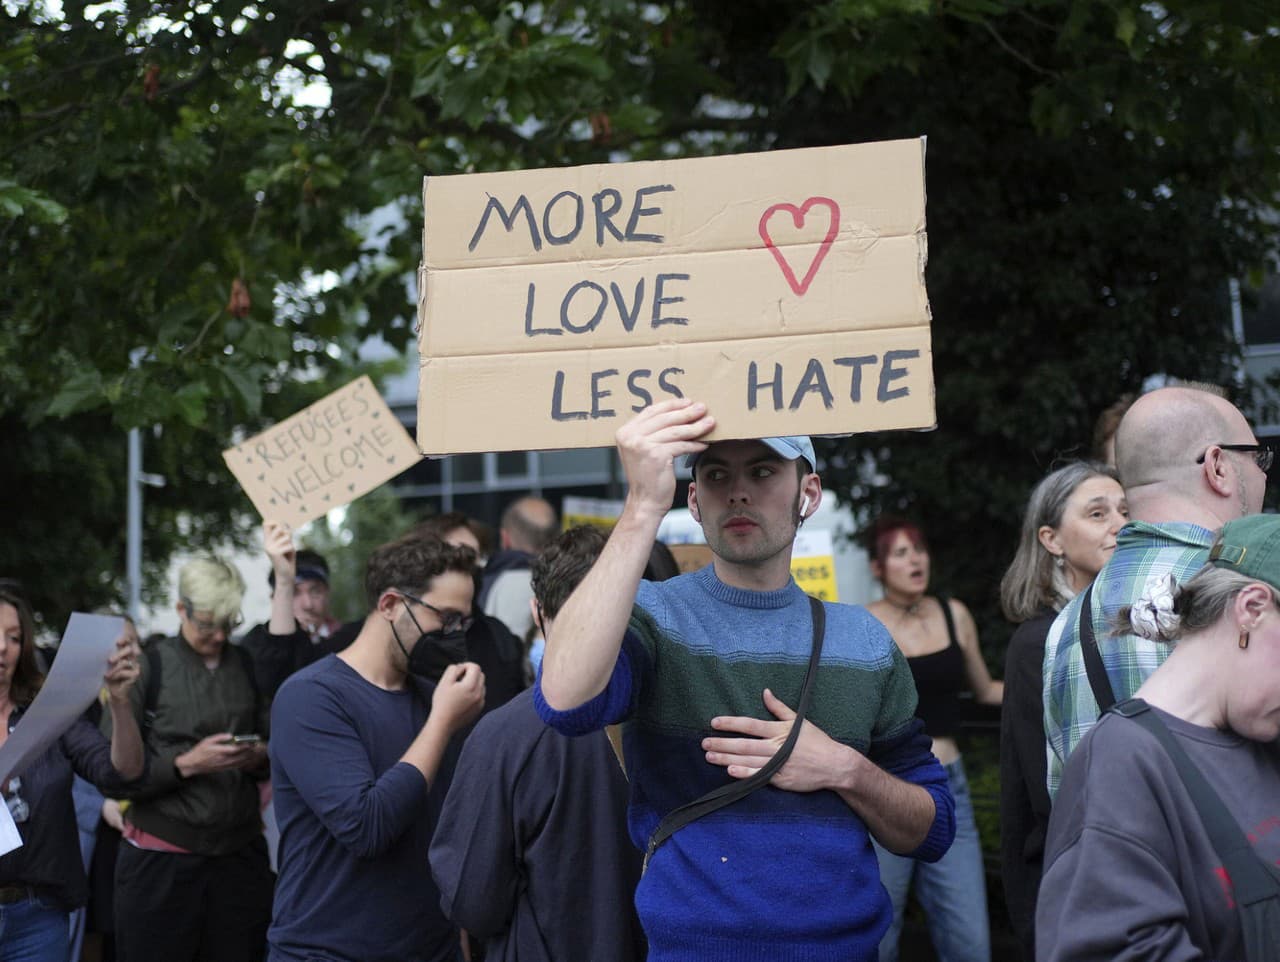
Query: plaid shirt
{"points": [[1142, 550]]}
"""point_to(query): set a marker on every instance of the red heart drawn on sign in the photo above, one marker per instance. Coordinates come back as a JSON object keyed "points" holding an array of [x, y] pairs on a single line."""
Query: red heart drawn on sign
{"points": [[798, 215]]}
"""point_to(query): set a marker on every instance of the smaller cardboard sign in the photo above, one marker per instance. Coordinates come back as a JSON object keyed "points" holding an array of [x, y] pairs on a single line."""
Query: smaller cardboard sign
{"points": [[324, 457], [813, 565], [598, 512], [691, 557]]}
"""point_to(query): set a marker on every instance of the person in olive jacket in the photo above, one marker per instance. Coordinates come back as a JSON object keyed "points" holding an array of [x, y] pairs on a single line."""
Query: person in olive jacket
{"points": [[193, 880]]}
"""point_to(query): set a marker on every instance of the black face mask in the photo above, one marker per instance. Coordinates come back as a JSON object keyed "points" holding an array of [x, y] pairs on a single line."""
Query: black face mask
{"points": [[434, 651]]}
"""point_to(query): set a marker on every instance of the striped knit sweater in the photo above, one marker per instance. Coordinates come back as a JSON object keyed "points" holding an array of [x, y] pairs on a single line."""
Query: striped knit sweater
{"points": [[778, 876]]}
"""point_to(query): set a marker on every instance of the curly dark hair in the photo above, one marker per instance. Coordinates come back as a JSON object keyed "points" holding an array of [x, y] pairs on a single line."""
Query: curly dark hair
{"points": [[410, 563]]}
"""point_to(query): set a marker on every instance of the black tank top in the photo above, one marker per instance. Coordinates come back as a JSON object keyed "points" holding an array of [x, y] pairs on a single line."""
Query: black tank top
{"points": [[940, 677]]}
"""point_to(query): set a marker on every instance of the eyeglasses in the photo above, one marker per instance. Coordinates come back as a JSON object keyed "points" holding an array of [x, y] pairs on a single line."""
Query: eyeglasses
{"points": [[206, 627], [1262, 456], [450, 621]]}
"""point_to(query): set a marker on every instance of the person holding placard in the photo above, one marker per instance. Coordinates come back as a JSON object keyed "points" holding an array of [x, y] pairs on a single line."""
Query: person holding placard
{"points": [[301, 628], [44, 879], [714, 672], [940, 642]]}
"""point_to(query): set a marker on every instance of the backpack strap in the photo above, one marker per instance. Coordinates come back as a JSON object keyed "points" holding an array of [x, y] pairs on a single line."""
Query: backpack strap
{"points": [[1103, 693], [718, 798], [1251, 880], [152, 697]]}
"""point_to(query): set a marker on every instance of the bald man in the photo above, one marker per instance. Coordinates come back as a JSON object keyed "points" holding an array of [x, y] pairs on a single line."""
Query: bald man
{"points": [[528, 525], [1189, 462]]}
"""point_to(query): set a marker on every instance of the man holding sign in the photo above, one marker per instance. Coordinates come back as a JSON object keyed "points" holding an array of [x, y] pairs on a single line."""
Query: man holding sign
{"points": [[707, 669]]}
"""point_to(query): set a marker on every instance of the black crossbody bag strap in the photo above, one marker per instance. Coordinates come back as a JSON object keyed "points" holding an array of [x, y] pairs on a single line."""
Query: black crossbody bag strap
{"points": [[1093, 667], [1251, 880], [718, 798]]}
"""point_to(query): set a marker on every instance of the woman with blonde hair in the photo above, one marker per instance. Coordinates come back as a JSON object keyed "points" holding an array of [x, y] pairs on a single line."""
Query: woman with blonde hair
{"points": [[1068, 533], [193, 881], [1165, 834]]}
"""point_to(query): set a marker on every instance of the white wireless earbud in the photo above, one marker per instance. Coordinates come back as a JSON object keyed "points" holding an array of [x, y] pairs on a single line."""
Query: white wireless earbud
{"points": [[804, 506]]}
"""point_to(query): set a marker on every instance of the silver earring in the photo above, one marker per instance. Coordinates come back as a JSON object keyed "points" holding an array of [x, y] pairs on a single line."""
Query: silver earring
{"points": [[1057, 560]]}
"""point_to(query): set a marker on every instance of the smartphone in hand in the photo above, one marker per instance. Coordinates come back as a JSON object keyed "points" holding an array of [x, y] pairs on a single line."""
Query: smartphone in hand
{"points": [[245, 739]]}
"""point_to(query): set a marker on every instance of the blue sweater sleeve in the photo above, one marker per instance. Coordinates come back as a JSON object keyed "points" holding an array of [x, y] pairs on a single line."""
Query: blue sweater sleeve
{"points": [[609, 707], [908, 756], [317, 745]]}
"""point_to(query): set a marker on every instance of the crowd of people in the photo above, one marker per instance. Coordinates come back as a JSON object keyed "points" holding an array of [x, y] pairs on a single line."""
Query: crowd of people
{"points": [[555, 748]]}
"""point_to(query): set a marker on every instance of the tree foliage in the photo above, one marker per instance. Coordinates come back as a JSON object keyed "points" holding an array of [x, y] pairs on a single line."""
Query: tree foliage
{"points": [[1097, 170]]}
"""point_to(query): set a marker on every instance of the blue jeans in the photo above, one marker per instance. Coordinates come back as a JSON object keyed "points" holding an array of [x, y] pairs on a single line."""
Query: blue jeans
{"points": [[953, 890], [33, 931]]}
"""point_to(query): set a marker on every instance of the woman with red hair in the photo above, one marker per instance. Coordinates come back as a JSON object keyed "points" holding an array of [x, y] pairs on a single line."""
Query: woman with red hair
{"points": [[940, 641]]}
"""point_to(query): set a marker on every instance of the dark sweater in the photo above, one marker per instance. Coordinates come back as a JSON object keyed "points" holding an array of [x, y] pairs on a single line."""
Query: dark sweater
{"points": [[355, 823], [1024, 799], [50, 854], [531, 853]]}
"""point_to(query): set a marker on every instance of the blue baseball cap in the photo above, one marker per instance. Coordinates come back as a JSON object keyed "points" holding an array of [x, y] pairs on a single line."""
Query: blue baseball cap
{"points": [[788, 448]]}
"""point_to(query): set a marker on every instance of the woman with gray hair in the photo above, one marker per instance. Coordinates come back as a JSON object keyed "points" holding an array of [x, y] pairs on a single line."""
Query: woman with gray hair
{"points": [[1068, 533], [1132, 869]]}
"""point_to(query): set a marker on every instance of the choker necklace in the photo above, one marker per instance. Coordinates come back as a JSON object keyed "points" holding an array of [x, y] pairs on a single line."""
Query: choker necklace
{"points": [[911, 609]]}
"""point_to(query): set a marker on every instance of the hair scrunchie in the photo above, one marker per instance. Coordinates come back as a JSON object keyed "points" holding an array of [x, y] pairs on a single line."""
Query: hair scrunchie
{"points": [[1152, 615]]}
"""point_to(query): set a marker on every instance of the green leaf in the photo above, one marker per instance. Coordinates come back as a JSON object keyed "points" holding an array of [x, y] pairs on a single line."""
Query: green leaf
{"points": [[16, 201], [191, 400], [81, 392], [246, 383], [1126, 26], [820, 61]]}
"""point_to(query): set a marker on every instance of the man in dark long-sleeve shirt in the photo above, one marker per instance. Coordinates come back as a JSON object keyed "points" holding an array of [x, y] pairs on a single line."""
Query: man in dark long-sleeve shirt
{"points": [[357, 742]]}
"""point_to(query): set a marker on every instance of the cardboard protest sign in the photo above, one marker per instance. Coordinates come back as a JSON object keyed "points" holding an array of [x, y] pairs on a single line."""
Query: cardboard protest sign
{"points": [[323, 457], [785, 289]]}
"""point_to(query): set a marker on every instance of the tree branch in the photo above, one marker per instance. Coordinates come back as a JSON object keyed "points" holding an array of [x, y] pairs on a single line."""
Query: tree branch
{"points": [[1017, 55]]}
